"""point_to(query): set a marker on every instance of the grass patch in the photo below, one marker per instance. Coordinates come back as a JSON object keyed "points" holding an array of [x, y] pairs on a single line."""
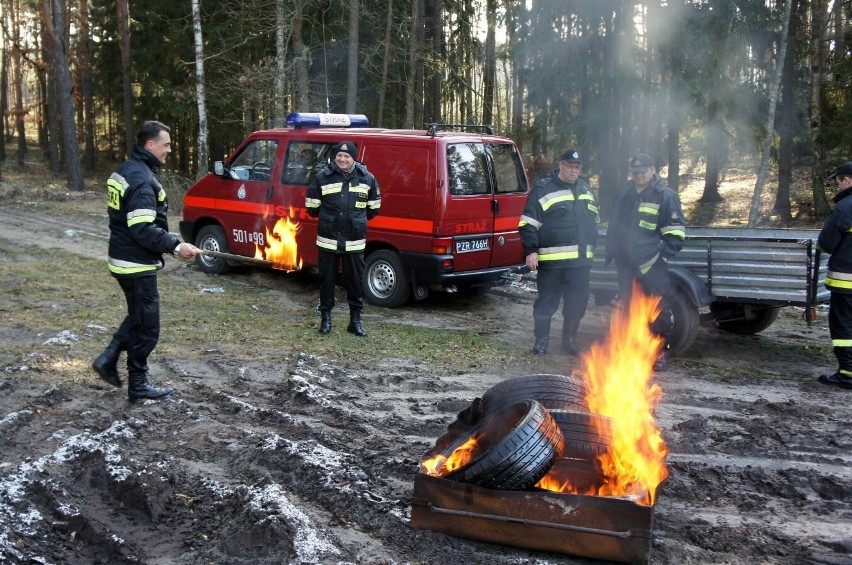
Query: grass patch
{"points": [[49, 291]]}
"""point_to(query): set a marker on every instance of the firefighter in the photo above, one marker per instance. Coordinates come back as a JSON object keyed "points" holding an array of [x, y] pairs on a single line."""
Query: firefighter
{"points": [[344, 195], [646, 230], [139, 235], [835, 239], [558, 231]]}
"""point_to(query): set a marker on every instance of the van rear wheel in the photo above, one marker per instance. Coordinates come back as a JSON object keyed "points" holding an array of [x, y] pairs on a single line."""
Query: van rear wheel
{"points": [[385, 283]]}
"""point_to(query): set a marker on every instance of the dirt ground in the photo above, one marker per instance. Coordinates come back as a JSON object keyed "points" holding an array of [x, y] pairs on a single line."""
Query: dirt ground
{"points": [[309, 462]]}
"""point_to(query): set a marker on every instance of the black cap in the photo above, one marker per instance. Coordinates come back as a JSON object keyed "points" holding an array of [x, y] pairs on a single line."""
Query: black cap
{"points": [[571, 156], [347, 147], [844, 170], [641, 163]]}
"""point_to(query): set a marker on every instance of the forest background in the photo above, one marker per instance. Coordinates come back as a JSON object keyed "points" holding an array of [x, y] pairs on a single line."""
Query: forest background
{"points": [[699, 84]]}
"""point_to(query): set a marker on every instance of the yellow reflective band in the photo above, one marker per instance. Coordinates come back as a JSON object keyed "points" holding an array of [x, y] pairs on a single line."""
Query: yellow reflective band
{"points": [[837, 283], [647, 225], [358, 245], [531, 221], [141, 219], [840, 276], [841, 342], [312, 203], [676, 231], [332, 188], [161, 196], [374, 204], [647, 208], [326, 243], [130, 270], [359, 188], [844, 372], [115, 192], [360, 205], [555, 197]]}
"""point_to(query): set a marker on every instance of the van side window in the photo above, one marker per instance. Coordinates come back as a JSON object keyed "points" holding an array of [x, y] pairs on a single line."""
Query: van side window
{"points": [[254, 162], [468, 169], [508, 169], [301, 161]]}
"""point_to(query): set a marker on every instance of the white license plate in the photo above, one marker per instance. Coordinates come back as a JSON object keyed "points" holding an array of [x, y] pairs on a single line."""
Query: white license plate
{"points": [[471, 245]]}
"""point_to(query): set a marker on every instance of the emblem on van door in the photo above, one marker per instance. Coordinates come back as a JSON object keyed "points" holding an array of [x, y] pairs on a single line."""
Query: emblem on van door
{"points": [[501, 241], [241, 192]]}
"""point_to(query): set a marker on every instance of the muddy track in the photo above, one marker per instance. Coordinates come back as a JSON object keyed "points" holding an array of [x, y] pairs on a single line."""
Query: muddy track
{"points": [[303, 461]]}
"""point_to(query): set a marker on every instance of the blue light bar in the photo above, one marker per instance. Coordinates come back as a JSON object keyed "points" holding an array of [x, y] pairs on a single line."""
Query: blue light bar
{"points": [[316, 120]]}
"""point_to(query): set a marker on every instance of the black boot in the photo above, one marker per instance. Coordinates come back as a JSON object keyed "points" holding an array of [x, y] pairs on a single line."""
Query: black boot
{"points": [[325, 323], [106, 365], [569, 336], [139, 387], [542, 335], [355, 325]]}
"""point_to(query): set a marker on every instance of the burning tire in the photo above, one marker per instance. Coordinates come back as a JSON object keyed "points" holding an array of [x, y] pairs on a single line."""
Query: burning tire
{"points": [[586, 435], [554, 392], [509, 449]]}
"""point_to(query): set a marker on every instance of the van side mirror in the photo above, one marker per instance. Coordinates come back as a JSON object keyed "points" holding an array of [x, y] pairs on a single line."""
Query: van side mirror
{"points": [[219, 168]]}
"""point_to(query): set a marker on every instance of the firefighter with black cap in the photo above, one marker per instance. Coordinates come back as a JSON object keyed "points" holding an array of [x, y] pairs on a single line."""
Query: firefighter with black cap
{"points": [[646, 230], [559, 227], [344, 195], [835, 238]]}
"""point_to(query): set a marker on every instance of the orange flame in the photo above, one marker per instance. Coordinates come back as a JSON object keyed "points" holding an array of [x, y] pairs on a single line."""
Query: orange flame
{"points": [[281, 248], [441, 465], [617, 383]]}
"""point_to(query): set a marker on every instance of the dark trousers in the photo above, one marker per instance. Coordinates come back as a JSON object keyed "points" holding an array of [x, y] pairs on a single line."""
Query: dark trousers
{"points": [[140, 329], [569, 286], [656, 282], [840, 329], [353, 274]]}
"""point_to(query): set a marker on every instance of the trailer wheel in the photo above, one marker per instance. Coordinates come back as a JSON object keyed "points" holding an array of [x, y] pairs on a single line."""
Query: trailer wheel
{"points": [[554, 392], [385, 282], [739, 322], [686, 322], [514, 448], [212, 238]]}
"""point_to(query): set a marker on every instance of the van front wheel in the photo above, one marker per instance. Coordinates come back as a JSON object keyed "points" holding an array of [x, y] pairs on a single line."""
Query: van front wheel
{"points": [[385, 282]]}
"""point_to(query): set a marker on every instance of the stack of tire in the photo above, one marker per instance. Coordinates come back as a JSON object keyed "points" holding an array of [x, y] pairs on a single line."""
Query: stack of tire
{"points": [[525, 428]]}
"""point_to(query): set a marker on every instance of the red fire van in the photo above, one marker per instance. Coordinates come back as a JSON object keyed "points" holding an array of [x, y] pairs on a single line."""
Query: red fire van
{"points": [[451, 201]]}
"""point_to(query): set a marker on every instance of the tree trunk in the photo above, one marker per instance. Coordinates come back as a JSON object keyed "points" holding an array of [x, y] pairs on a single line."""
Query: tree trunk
{"points": [[15, 22], [383, 83], [200, 93], [715, 151], [821, 206], [490, 71], [415, 64], [754, 209], [280, 96], [300, 58], [517, 33], [352, 67], [55, 38], [123, 9], [782, 205], [84, 63]]}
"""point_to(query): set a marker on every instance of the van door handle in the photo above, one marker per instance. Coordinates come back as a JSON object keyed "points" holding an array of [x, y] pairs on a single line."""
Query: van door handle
{"points": [[495, 206], [269, 193]]}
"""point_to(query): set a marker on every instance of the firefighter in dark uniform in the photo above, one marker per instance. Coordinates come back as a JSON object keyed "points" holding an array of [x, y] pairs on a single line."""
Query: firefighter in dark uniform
{"points": [[344, 196], [835, 238], [646, 230], [139, 235], [558, 231]]}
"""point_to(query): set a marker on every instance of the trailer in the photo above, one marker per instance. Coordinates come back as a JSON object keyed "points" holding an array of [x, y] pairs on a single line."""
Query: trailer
{"points": [[735, 278]]}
